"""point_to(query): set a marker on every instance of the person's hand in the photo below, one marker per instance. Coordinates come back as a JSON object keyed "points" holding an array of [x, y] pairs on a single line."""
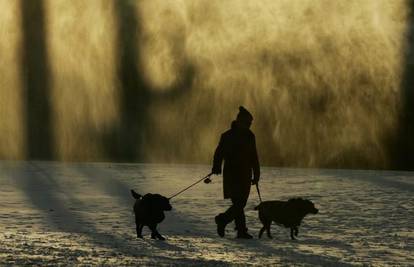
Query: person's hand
{"points": [[255, 180], [216, 171]]}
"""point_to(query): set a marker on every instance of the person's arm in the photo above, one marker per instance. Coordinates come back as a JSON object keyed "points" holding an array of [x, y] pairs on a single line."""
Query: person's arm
{"points": [[218, 157], [256, 164]]}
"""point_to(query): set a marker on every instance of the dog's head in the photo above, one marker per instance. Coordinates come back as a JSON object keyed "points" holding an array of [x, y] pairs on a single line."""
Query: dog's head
{"points": [[158, 202], [305, 205]]}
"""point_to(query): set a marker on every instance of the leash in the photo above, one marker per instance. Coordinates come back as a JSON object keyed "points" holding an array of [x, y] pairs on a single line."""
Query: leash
{"points": [[193, 184], [258, 192]]}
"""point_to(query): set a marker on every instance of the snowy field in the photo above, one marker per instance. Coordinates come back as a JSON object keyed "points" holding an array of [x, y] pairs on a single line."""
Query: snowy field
{"points": [[80, 214]]}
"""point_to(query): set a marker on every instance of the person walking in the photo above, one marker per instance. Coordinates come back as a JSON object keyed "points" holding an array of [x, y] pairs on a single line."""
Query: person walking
{"points": [[237, 148]]}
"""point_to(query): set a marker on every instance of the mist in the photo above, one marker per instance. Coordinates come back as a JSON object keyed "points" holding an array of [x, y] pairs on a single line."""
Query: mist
{"points": [[158, 81]]}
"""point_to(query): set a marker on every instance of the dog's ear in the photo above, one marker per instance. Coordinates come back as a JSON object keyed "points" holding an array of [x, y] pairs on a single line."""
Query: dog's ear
{"points": [[159, 202], [297, 204], [163, 203], [308, 206], [166, 204], [152, 201]]}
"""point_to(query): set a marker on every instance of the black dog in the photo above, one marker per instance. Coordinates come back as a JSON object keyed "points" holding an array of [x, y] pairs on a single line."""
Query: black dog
{"points": [[287, 213], [149, 211]]}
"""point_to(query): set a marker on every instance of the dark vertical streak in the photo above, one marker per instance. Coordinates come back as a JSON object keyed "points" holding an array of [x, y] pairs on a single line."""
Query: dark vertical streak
{"points": [[126, 142], [134, 98], [404, 145], [35, 80]]}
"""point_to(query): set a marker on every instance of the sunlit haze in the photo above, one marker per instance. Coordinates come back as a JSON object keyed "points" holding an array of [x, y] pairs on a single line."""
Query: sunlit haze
{"points": [[158, 81]]}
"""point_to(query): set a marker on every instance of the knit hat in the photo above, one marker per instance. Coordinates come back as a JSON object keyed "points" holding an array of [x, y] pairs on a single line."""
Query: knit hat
{"points": [[244, 114]]}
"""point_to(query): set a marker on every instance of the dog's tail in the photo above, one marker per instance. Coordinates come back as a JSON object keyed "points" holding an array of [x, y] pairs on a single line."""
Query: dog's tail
{"points": [[135, 194]]}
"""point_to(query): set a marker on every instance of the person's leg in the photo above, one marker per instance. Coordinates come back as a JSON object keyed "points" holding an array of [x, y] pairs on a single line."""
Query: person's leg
{"points": [[230, 214], [238, 211], [224, 218], [240, 218]]}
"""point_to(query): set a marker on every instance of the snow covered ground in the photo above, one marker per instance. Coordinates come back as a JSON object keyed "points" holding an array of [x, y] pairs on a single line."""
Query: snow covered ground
{"points": [[80, 214]]}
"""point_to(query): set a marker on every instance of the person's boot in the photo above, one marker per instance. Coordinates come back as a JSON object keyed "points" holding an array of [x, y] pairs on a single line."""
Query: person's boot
{"points": [[244, 235], [221, 225]]}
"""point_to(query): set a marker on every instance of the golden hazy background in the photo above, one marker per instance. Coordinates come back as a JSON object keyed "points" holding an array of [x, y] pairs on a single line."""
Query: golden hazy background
{"points": [[158, 81]]}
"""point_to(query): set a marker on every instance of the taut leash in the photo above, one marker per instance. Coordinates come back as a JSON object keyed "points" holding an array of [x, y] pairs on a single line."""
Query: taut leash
{"points": [[193, 184], [258, 192]]}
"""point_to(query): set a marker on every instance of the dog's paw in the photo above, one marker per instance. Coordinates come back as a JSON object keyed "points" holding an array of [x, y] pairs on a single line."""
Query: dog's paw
{"points": [[140, 236], [160, 237]]}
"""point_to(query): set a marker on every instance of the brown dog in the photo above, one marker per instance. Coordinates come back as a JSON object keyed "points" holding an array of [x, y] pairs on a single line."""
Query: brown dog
{"points": [[287, 213], [149, 211]]}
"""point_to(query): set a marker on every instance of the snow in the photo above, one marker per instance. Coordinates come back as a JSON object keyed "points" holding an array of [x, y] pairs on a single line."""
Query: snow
{"points": [[81, 214]]}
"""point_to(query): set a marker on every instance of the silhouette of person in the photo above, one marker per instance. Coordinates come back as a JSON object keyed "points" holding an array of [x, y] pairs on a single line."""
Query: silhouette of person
{"points": [[237, 147]]}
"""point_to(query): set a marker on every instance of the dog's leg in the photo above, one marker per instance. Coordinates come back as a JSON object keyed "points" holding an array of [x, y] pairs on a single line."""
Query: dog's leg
{"points": [[160, 237], [269, 235], [138, 226], [261, 231], [139, 231], [291, 233], [154, 232], [296, 231], [266, 225]]}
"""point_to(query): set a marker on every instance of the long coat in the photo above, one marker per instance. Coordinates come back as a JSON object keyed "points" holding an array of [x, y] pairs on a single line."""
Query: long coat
{"points": [[237, 147]]}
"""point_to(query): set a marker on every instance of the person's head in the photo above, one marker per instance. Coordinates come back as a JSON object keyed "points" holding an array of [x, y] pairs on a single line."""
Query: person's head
{"points": [[244, 118]]}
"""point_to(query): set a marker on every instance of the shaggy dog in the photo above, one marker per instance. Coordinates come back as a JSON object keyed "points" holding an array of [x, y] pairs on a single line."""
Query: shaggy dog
{"points": [[287, 213], [149, 211]]}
